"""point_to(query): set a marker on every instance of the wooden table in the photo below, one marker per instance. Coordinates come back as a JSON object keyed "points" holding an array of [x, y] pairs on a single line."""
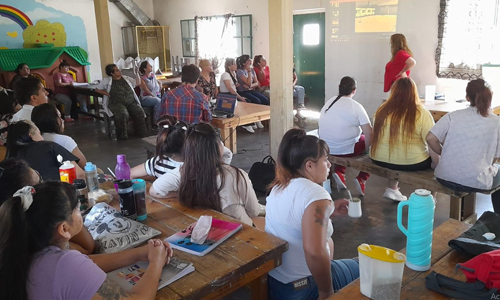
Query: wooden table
{"points": [[443, 261], [439, 108], [245, 113], [89, 90], [245, 258]]}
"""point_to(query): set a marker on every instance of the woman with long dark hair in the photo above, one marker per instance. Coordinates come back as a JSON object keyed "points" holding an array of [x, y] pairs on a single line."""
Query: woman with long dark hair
{"points": [[341, 124], [35, 262], [48, 119], [248, 81], [205, 181], [401, 62], [262, 72], [468, 141], [400, 126], [298, 211], [25, 142]]}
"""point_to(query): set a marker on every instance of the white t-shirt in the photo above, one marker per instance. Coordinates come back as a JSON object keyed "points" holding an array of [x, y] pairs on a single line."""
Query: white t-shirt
{"points": [[470, 144], [284, 211], [23, 114], [238, 200], [340, 126], [222, 85], [67, 142]]}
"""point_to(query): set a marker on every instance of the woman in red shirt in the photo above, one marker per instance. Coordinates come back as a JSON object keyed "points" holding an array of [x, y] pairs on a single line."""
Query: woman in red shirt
{"points": [[262, 70], [401, 62]]}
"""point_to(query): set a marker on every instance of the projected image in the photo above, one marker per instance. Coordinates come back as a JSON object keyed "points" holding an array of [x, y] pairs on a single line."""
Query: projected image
{"points": [[376, 16]]}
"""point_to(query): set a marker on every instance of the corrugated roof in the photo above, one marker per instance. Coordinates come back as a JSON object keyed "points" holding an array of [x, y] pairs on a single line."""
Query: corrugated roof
{"points": [[38, 58]]}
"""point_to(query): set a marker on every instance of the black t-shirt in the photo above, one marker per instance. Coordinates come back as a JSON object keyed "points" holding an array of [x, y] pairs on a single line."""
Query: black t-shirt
{"points": [[42, 157]]}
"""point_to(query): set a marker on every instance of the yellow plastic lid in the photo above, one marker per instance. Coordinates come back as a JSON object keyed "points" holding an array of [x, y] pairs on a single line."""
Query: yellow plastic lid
{"points": [[382, 253]]}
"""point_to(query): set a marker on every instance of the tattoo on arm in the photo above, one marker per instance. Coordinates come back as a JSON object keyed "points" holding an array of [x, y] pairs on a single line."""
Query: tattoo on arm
{"points": [[320, 217], [109, 290]]}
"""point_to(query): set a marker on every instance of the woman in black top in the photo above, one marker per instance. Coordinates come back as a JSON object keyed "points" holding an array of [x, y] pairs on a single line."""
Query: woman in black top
{"points": [[25, 141]]}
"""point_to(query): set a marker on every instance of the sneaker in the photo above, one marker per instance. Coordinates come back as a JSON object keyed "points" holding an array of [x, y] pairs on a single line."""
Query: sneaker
{"points": [[259, 125], [254, 126], [68, 119], [360, 185], [339, 180], [248, 128], [301, 107], [394, 195]]}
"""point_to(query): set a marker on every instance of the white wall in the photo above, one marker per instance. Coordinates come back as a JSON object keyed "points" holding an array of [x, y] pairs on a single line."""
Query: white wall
{"points": [[85, 10], [363, 57]]}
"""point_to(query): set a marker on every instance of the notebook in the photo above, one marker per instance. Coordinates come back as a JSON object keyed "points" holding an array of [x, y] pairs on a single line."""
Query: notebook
{"points": [[127, 277], [219, 232], [226, 104]]}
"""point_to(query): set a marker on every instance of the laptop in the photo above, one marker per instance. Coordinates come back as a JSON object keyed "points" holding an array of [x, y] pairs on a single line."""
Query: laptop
{"points": [[225, 106]]}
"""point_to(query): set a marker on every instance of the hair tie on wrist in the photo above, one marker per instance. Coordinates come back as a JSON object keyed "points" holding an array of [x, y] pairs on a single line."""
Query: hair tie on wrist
{"points": [[26, 195]]}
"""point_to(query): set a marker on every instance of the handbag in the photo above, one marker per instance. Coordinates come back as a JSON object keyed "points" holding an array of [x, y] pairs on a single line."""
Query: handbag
{"points": [[262, 174], [473, 242]]}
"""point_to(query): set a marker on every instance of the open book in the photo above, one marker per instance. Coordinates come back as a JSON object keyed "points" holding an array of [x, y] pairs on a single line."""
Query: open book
{"points": [[127, 277], [219, 232]]}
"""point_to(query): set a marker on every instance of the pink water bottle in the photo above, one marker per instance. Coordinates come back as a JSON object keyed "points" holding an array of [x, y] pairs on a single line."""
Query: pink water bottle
{"points": [[122, 170]]}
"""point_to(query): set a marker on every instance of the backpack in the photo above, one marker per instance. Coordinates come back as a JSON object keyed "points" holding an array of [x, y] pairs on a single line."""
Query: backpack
{"points": [[485, 268]]}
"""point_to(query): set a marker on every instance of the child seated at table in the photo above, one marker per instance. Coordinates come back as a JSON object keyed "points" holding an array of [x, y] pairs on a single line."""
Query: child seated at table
{"points": [[468, 141], [48, 119], [168, 157], [25, 142], [400, 126], [205, 181], [298, 211], [16, 174], [36, 263]]}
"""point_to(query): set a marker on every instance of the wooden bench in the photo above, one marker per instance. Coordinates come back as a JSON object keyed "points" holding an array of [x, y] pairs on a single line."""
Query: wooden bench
{"points": [[462, 205]]}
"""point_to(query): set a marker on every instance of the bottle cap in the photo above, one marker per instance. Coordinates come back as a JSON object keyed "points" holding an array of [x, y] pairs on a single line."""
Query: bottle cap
{"points": [[89, 167], [125, 184], [121, 158], [139, 184], [66, 165], [422, 192]]}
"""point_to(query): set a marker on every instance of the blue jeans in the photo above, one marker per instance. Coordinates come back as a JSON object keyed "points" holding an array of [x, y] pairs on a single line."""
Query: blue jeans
{"points": [[298, 94], [344, 271], [150, 101], [495, 197], [255, 97]]}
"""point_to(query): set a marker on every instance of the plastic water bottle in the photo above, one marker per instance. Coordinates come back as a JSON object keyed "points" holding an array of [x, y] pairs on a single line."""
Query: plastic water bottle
{"points": [[139, 186], [122, 170], [91, 177], [421, 207]]}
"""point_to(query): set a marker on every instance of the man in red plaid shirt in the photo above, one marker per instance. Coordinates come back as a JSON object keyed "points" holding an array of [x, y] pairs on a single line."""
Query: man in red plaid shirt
{"points": [[185, 102]]}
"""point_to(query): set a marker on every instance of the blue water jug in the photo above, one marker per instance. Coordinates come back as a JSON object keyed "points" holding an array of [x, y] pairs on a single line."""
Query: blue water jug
{"points": [[421, 207]]}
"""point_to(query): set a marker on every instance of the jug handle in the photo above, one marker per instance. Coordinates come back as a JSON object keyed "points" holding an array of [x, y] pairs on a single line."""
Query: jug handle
{"points": [[400, 217]]}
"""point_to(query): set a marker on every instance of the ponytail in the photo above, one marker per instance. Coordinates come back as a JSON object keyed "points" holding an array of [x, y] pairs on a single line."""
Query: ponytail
{"points": [[480, 95], [346, 87], [26, 230], [171, 136]]}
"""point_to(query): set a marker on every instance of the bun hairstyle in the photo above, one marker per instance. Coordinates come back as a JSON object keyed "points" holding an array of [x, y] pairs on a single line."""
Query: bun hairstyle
{"points": [[241, 61], [63, 64], [346, 87], [26, 231], [296, 148], [19, 136], [171, 136], [14, 174], [480, 95]]}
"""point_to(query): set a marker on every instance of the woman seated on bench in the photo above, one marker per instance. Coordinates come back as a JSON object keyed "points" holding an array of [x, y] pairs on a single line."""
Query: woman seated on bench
{"points": [[400, 126], [36, 224], [468, 141], [205, 181], [341, 122], [298, 211]]}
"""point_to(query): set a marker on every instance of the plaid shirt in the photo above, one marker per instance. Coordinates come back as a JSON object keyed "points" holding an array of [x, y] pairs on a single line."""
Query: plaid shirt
{"points": [[186, 104]]}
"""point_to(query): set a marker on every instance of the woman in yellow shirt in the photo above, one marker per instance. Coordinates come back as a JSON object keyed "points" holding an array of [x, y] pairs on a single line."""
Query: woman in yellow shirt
{"points": [[400, 126]]}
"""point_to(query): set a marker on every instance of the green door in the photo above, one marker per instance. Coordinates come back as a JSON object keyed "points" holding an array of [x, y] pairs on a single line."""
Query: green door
{"points": [[309, 56]]}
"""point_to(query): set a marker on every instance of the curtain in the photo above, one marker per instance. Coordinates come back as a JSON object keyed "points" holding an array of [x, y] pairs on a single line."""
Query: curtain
{"points": [[214, 39], [468, 37]]}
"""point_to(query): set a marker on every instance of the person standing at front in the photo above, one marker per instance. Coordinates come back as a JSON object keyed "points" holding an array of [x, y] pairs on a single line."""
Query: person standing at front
{"points": [[121, 101], [401, 63]]}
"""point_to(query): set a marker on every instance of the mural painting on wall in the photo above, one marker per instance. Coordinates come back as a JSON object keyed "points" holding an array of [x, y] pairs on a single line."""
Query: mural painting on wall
{"points": [[26, 23]]}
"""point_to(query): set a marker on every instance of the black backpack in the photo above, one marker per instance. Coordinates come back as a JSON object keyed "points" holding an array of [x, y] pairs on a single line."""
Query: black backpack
{"points": [[262, 174]]}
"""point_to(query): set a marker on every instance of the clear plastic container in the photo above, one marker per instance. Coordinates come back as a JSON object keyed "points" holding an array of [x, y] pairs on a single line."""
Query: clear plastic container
{"points": [[381, 272], [92, 177]]}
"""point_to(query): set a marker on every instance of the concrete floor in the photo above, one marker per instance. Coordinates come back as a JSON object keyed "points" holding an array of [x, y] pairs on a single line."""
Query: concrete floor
{"points": [[378, 224]]}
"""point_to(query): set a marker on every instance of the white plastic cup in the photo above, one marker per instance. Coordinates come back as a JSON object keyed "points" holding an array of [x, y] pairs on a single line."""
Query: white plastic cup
{"points": [[430, 93], [354, 209]]}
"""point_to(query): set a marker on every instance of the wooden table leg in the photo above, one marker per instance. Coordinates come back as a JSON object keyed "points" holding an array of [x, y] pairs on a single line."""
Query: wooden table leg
{"points": [[469, 208], [455, 208], [259, 288], [232, 140]]}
